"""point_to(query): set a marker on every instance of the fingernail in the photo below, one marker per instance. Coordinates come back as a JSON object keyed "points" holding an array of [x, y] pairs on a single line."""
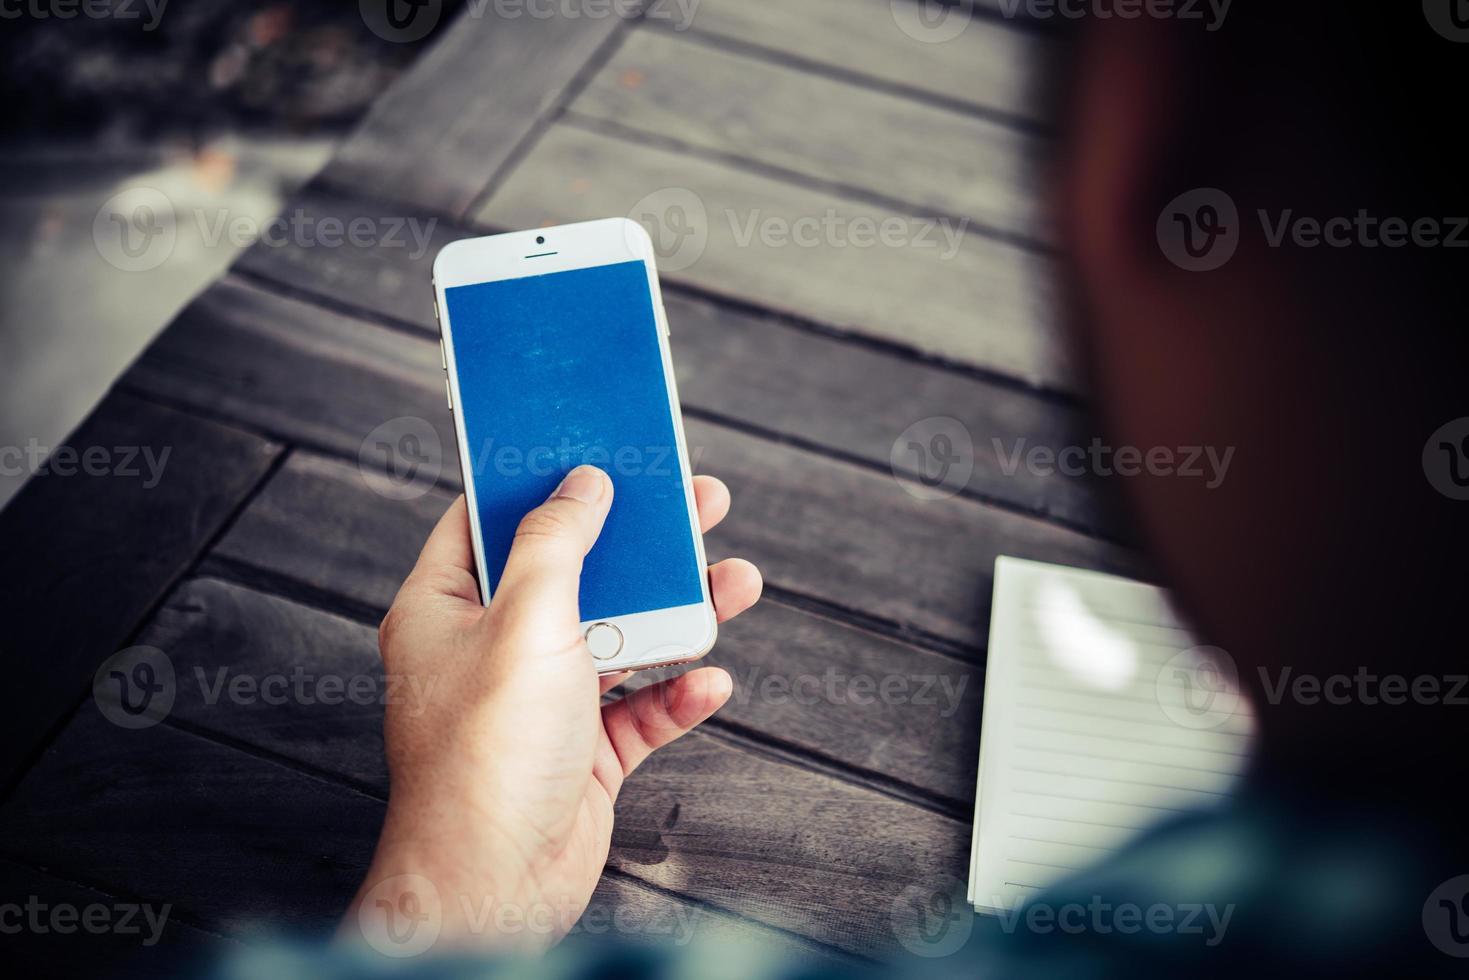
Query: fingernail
{"points": [[583, 483]]}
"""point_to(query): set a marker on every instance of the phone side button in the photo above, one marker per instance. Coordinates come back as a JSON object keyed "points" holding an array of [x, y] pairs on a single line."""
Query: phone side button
{"points": [[449, 394], [443, 355]]}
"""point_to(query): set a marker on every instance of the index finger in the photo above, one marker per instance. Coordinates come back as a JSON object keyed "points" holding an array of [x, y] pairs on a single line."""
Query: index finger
{"points": [[712, 499], [446, 564]]}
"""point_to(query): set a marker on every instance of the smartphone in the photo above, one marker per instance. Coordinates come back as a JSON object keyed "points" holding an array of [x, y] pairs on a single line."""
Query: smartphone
{"points": [[556, 353]]}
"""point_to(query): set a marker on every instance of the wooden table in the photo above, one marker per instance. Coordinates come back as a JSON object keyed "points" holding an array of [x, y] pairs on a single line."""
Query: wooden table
{"points": [[794, 818]]}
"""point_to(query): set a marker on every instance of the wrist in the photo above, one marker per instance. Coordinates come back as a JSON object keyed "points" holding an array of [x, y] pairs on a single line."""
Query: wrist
{"points": [[442, 880]]}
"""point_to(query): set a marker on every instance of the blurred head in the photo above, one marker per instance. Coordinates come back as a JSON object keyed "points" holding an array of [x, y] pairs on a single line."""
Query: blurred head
{"points": [[1326, 367]]}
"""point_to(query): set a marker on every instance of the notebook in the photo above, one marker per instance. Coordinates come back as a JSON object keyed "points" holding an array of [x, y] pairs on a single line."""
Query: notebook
{"points": [[1102, 717]]}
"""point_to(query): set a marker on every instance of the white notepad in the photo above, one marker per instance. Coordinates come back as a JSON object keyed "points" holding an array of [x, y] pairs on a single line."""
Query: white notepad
{"points": [[1102, 717]]}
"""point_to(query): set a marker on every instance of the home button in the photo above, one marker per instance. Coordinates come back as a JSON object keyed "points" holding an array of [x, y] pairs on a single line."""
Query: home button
{"points": [[604, 640]]}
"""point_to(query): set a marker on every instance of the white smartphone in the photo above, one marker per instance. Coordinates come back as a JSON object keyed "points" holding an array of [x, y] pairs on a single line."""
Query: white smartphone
{"points": [[556, 354]]}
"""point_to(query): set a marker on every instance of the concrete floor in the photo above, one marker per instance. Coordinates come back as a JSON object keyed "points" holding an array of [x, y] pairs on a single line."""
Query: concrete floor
{"points": [[77, 307]]}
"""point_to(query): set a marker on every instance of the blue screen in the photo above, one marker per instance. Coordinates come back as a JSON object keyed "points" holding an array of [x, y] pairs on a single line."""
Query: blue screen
{"points": [[563, 369]]}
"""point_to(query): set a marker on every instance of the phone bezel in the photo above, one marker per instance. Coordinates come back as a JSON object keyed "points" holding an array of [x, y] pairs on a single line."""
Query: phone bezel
{"points": [[658, 637]]}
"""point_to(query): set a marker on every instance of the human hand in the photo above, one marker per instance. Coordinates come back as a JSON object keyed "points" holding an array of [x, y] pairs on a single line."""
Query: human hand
{"points": [[505, 768]]}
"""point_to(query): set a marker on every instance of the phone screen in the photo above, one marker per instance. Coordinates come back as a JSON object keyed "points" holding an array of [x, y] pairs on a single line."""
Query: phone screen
{"points": [[562, 369]]}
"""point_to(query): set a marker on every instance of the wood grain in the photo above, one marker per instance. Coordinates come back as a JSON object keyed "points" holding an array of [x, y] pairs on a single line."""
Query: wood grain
{"points": [[801, 680], [317, 377], [437, 137], [92, 544], [933, 160], [988, 64], [795, 849], [122, 942], [793, 816], [935, 288], [820, 391], [389, 279], [166, 810], [883, 708], [728, 826], [354, 543], [303, 685], [159, 813], [836, 532]]}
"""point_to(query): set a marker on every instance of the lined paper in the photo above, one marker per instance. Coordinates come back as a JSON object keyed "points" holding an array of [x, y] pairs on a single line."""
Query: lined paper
{"points": [[1102, 717]]}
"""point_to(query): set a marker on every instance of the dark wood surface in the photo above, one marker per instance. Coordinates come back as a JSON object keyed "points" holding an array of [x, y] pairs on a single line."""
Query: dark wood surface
{"points": [[265, 550], [135, 945], [89, 554], [745, 366]]}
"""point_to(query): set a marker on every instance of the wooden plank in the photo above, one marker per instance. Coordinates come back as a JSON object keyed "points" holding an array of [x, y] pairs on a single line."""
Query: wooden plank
{"points": [[794, 849], [896, 714], [337, 380], [216, 633], [802, 680], [385, 279], [819, 856], [290, 367], [929, 285], [857, 402], [794, 671], [266, 823], [143, 792], [47, 938], [859, 540], [439, 134], [987, 64], [356, 544], [753, 369], [933, 160], [77, 578]]}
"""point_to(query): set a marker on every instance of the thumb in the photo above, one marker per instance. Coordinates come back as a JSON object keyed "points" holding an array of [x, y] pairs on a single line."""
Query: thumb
{"points": [[543, 572]]}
